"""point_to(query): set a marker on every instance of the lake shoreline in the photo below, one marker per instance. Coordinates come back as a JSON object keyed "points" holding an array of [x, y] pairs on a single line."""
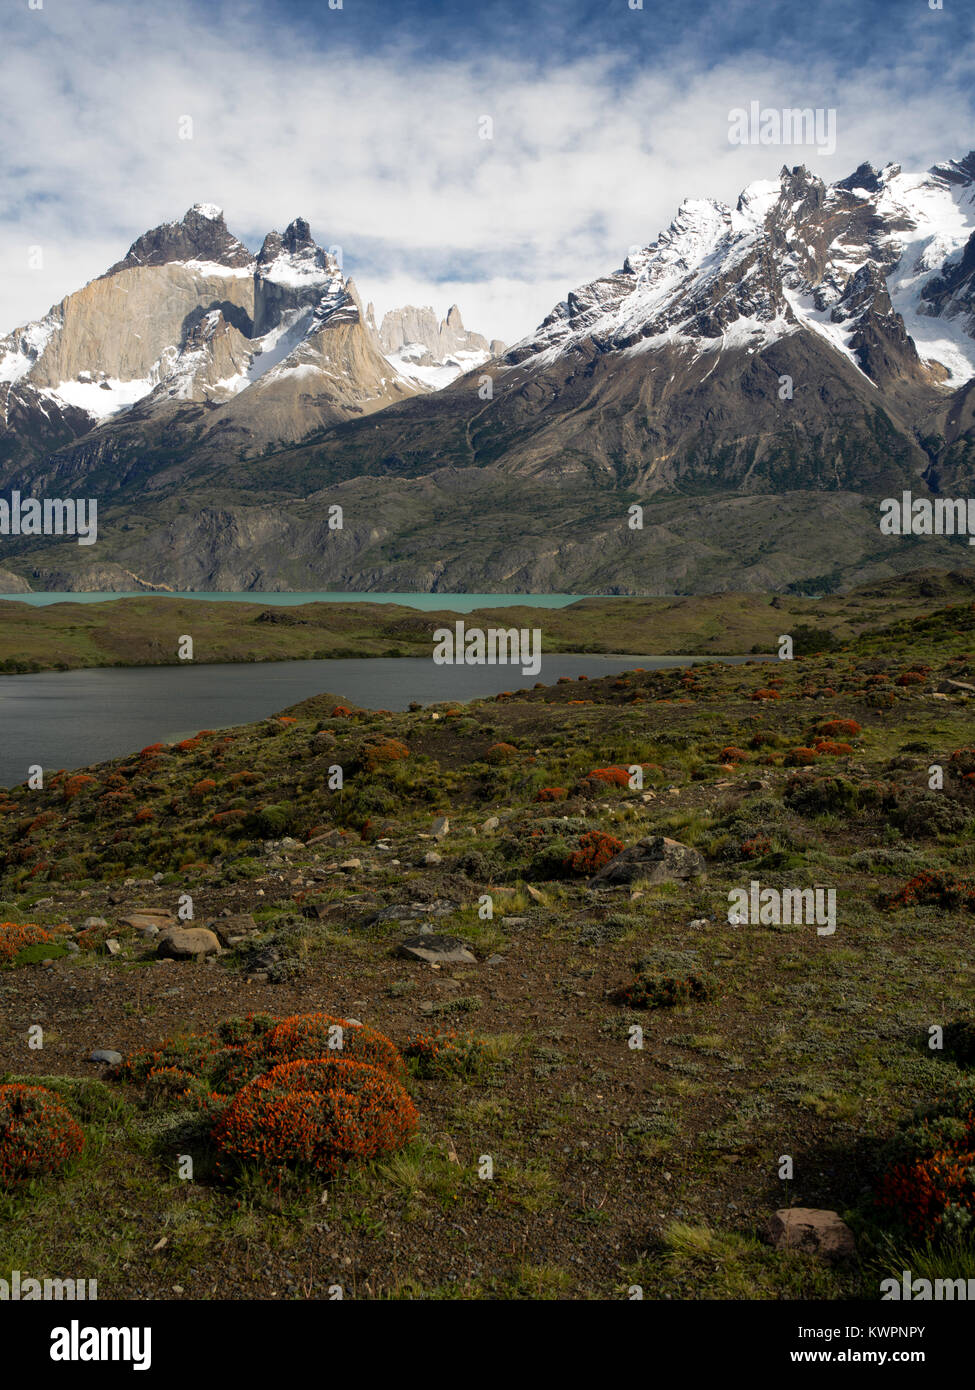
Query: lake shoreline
{"points": [[76, 719], [81, 633]]}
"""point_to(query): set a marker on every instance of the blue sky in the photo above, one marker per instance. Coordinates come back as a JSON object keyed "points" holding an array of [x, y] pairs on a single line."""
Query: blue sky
{"points": [[369, 121]]}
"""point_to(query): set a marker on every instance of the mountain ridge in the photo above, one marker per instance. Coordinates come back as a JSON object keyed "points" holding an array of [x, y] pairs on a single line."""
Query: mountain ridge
{"points": [[801, 353]]}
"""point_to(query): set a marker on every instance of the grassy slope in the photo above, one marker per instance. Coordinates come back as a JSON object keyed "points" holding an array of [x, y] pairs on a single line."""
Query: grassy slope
{"points": [[613, 1167], [145, 631]]}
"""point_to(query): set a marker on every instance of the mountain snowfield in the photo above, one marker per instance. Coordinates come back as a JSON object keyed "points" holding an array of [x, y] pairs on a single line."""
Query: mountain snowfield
{"points": [[793, 254], [190, 314]]}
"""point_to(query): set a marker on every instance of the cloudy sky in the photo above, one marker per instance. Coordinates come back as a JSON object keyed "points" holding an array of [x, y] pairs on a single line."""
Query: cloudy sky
{"points": [[368, 120]]}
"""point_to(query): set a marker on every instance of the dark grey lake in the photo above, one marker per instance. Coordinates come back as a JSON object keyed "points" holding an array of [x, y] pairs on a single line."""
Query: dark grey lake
{"points": [[69, 719]]}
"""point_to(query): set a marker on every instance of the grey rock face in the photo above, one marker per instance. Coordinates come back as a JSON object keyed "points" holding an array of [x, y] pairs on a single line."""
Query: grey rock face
{"points": [[655, 859], [437, 950]]}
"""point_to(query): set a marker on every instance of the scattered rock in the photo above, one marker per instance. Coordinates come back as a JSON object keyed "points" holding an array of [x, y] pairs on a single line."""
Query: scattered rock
{"points": [[495, 960], [409, 912], [432, 858], [93, 922], [536, 895], [440, 827], [231, 930], [655, 859], [437, 950], [699, 924], [490, 825], [350, 865], [107, 1056], [331, 837], [514, 922], [184, 943], [817, 1232], [148, 920], [112, 946]]}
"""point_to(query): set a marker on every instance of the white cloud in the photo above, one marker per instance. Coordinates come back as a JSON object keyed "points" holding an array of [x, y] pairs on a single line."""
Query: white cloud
{"points": [[382, 154]]}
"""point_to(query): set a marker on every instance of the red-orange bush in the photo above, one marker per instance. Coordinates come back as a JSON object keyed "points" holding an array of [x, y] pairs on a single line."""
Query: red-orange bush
{"points": [[321, 1114], [933, 887], [551, 794], [732, 754], [800, 757], [500, 753], [438, 1052], [77, 784], [37, 1134], [379, 753], [612, 776], [314, 1035], [14, 937], [831, 727], [765, 694], [595, 849]]}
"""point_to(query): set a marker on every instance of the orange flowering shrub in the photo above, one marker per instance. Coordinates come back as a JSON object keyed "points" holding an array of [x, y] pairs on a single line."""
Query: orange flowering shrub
{"points": [[612, 776], [38, 1136], [77, 784], [377, 753], [551, 794], [439, 1052], [144, 815], [244, 779], [595, 850], [732, 754], [203, 787], [314, 1035], [962, 762], [151, 750], [500, 753], [800, 757], [831, 727], [933, 887], [651, 989], [341, 712], [286, 719], [14, 937], [756, 847], [920, 1192], [188, 744], [321, 1114], [224, 818], [910, 678], [765, 694], [826, 748], [170, 1084], [931, 1181]]}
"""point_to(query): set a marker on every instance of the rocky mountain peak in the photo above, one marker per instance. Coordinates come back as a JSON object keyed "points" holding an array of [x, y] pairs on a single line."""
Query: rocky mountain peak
{"points": [[201, 235], [957, 171], [865, 177]]}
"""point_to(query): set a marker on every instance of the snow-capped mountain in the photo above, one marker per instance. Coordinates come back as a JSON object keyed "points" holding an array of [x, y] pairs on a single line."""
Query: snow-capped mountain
{"points": [[759, 377], [796, 254], [274, 345], [431, 351]]}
